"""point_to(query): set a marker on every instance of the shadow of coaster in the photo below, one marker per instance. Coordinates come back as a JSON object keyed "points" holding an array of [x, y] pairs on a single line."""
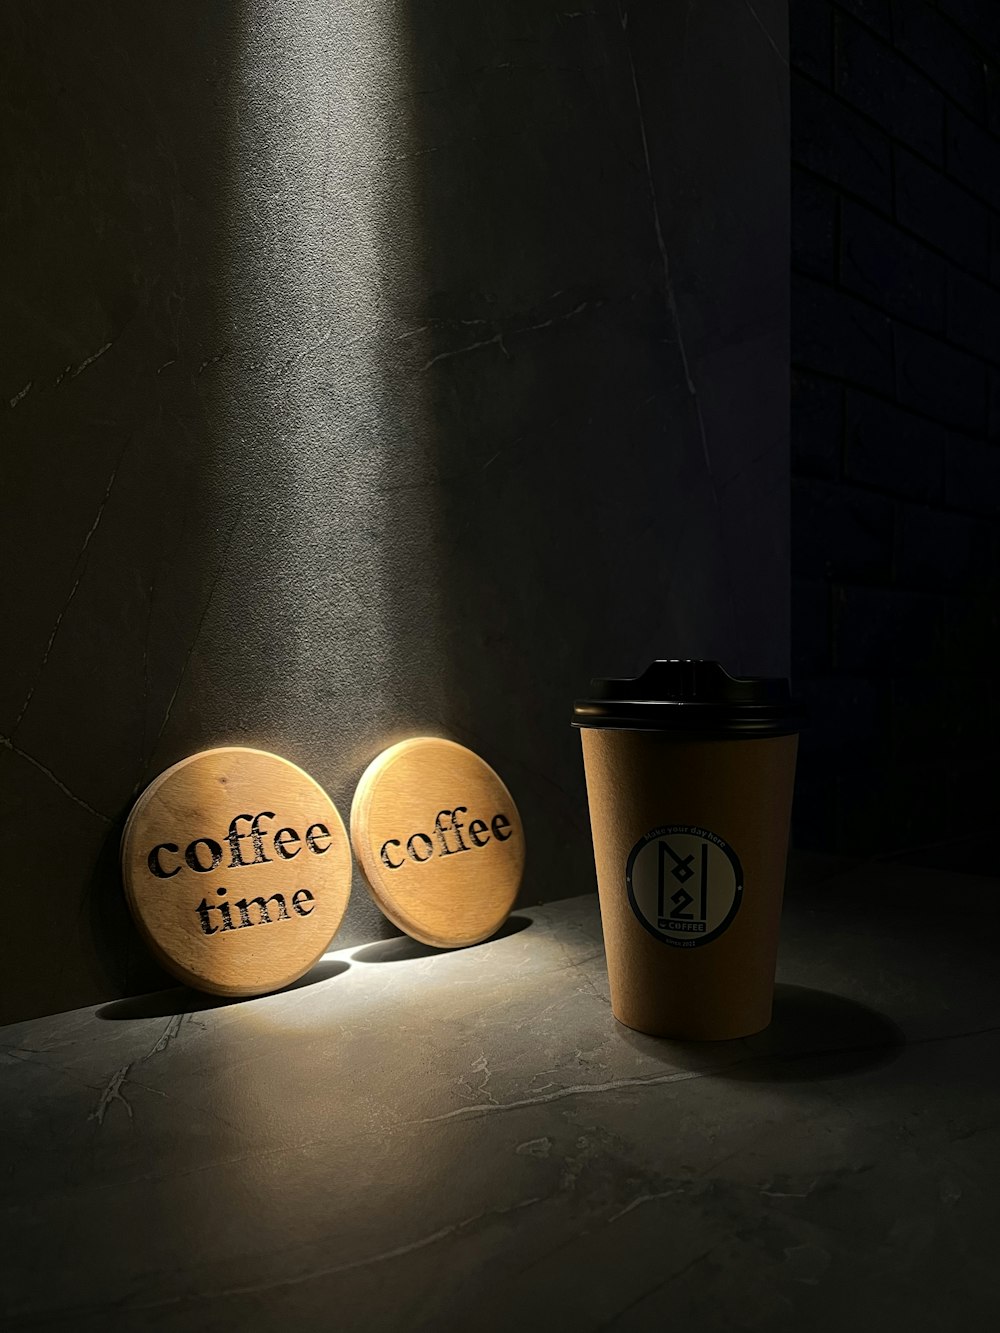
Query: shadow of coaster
{"points": [[403, 949], [182, 1000]]}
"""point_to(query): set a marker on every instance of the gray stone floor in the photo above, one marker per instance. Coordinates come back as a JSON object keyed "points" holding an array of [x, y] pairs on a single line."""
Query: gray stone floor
{"points": [[420, 1140]]}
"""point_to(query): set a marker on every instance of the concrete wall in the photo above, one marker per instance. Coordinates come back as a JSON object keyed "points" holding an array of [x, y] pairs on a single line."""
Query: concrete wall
{"points": [[370, 369], [896, 421]]}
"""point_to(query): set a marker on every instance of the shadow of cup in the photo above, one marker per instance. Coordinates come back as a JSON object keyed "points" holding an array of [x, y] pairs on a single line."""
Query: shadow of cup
{"points": [[813, 1035]]}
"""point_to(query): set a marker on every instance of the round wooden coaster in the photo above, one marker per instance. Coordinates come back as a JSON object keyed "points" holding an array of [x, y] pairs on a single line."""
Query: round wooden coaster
{"points": [[439, 840], [237, 870]]}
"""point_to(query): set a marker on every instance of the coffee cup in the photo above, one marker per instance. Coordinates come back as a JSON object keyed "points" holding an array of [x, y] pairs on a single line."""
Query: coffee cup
{"points": [[690, 773]]}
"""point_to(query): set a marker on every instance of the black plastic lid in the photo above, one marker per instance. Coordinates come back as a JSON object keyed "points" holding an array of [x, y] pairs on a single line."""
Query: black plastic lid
{"points": [[691, 696]]}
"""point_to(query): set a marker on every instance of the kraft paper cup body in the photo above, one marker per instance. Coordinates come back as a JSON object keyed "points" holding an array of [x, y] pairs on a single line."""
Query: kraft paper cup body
{"points": [[739, 790], [683, 798]]}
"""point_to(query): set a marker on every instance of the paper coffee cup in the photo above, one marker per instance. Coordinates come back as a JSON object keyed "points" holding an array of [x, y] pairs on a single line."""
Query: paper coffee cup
{"points": [[689, 780]]}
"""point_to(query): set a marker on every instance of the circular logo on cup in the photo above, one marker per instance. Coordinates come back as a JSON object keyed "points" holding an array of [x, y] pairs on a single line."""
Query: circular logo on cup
{"points": [[685, 884]]}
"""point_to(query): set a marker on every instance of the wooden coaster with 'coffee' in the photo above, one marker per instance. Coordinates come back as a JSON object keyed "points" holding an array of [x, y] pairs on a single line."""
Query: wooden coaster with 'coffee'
{"points": [[237, 870], [439, 840]]}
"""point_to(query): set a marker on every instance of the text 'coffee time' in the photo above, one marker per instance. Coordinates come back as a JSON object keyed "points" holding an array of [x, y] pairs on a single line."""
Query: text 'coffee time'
{"points": [[204, 854]]}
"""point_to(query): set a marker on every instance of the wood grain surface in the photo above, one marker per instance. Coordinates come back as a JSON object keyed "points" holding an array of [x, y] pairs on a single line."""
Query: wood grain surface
{"points": [[237, 870], [439, 840]]}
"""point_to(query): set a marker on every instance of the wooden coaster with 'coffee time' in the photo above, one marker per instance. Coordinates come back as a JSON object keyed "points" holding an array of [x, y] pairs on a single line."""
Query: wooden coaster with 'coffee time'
{"points": [[439, 840], [237, 870]]}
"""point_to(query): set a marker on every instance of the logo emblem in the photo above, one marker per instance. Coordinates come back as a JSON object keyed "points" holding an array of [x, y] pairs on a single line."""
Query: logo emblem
{"points": [[685, 884]]}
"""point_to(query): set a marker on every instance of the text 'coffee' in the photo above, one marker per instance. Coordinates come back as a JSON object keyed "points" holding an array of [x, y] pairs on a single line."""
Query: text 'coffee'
{"points": [[439, 840], [226, 842], [421, 847]]}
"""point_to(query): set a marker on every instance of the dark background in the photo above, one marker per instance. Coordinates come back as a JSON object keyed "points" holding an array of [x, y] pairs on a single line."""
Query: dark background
{"points": [[896, 423], [379, 369], [370, 370]]}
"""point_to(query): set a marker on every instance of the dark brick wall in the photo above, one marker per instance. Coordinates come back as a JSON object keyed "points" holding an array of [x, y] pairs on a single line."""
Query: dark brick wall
{"points": [[896, 419]]}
